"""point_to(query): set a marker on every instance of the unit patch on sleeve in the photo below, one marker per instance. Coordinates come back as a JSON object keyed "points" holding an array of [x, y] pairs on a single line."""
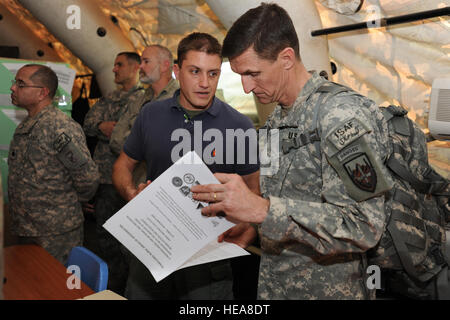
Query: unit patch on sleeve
{"points": [[68, 152], [362, 173], [355, 160], [60, 142]]}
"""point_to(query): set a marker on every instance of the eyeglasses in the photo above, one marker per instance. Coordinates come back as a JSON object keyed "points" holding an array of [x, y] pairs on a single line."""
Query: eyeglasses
{"points": [[20, 84]]}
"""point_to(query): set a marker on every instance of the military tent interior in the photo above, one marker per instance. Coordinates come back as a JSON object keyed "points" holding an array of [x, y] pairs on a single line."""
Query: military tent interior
{"points": [[391, 64]]}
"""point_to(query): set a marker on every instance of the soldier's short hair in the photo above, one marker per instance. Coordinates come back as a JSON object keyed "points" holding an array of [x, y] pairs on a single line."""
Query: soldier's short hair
{"points": [[268, 28], [198, 41], [163, 52], [131, 56], [44, 76]]}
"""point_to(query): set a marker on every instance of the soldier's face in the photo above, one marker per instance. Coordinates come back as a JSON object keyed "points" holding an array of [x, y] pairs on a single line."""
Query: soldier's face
{"points": [[149, 70], [23, 94], [265, 78], [198, 77], [124, 70]]}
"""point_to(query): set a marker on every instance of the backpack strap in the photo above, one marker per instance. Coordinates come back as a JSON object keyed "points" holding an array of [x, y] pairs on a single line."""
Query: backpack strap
{"points": [[411, 203], [433, 182], [442, 284], [400, 243], [426, 187], [327, 90], [405, 199], [396, 115], [313, 136]]}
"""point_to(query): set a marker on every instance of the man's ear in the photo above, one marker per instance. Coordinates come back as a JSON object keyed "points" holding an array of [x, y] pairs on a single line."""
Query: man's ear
{"points": [[136, 68], [164, 66], [176, 70], [287, 57], [44, 94]]}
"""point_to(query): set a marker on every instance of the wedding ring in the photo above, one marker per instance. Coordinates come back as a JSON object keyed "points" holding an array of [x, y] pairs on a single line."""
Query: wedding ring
{"points": [[215, 197]]}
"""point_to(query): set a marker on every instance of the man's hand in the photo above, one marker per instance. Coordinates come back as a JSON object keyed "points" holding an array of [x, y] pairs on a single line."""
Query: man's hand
{"points": [[88, 207], [133, 193], [242, 234], [107, 127], [233, 198], [122, 177]]}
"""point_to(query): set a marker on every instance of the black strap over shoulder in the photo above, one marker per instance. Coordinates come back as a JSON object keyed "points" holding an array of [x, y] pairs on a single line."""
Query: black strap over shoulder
{"points": [[328, 89]]}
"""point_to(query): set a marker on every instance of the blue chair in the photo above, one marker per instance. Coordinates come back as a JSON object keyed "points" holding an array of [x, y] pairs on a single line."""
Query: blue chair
{"points": [[94, 271]]}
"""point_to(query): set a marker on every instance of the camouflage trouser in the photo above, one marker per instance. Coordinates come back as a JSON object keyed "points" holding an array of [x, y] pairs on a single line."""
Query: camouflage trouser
{"points": [[59, 245], [107, 203]]}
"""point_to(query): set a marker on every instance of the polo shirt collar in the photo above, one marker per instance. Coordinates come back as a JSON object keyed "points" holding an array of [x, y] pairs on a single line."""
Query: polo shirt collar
{"points": [[28, 123], [213, 109]]}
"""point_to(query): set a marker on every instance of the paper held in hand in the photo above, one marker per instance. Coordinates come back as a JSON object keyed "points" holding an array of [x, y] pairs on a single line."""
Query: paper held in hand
{"points": [[163, 226]]}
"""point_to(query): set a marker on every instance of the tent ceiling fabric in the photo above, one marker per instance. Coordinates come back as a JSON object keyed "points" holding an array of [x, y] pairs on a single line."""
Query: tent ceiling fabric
{"points": [[343, 6], [13, 32], [164, 22], [39, 29], [391, 65], [394, 64]]}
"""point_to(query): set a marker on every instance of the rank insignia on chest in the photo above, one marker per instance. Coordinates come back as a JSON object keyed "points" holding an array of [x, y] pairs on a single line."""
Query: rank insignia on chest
{"points": [[362, 173]]}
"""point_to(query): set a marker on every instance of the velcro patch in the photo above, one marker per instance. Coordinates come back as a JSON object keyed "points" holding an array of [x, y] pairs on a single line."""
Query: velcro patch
{"points": [[347, 133], [362, 173], [62, 141], [68, 152], [348, 152]]}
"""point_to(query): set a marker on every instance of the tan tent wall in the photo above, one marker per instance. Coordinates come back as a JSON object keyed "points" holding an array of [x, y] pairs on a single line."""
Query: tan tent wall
{"points": [[15, 34], [97, 52]]}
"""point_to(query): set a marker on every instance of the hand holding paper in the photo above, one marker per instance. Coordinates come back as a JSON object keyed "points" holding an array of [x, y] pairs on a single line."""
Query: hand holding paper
{"points": [[163, 226]]}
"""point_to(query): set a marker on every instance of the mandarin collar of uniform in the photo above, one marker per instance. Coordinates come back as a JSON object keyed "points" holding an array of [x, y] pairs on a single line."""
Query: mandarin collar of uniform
{"points": [[213, 109], [28, 123], [309, 88], [313, 83], [119, 93], [169, 86]]}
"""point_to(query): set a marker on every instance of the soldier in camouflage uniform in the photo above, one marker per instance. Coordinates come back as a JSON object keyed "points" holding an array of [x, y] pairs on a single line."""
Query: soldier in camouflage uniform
{"points": [[100, 122], [322, 204], [50, 168], [156, 71]]}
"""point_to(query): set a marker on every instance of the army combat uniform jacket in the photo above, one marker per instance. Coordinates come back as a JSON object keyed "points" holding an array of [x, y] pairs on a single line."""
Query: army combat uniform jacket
{"points": [[315, 232], [50, 173], [109, 108], [123, 127]]}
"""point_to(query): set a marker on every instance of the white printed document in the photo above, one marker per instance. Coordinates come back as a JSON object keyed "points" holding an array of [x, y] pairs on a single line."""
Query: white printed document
{"points": [[163, 226]]}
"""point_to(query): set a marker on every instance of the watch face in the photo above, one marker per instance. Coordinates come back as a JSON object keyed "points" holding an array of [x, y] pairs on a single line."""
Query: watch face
{"points": [[189, 178], [177, 182]]}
